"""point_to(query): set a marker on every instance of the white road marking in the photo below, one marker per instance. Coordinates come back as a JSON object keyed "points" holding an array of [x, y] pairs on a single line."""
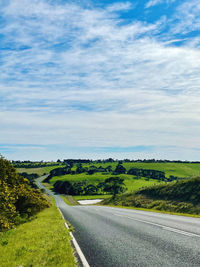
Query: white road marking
{"points": [[161, 226], [78, 249]]}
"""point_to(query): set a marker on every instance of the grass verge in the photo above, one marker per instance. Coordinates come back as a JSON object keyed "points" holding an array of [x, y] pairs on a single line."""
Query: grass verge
{"points": [[43, 241], [91, 197], [69, 200]]}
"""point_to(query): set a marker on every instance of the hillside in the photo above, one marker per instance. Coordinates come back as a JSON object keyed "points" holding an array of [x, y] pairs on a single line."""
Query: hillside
{"points": [[136, 175], [179, 196]]}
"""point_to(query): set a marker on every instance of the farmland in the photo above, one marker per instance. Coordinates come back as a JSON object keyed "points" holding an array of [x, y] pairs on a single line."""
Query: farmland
{"points": [[170, 168], [132, 182], [40, 170]]}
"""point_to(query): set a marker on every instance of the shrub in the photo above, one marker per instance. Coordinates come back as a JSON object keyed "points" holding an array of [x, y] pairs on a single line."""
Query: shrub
{"points": [[18, 201]]}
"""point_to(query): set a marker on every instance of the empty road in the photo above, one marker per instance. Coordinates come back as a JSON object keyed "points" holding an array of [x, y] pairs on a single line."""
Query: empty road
{"points": [[121, 237]]}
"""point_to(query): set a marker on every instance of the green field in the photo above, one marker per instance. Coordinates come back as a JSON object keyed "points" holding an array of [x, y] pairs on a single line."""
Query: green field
{"points": [[176, 169], [44, 241], [131, 183], [40, 171]]}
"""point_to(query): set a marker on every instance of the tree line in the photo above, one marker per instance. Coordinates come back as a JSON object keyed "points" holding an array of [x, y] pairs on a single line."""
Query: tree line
{"points": [[119, 169], [29, 164], [32, 164], [112, 185]]}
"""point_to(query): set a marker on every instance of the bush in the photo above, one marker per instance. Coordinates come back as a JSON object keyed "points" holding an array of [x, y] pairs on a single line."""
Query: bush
{"points": [[18, 200]]}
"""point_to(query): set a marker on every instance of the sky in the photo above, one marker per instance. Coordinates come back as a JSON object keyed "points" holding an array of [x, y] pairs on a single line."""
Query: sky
{"points": [[98, 79]]}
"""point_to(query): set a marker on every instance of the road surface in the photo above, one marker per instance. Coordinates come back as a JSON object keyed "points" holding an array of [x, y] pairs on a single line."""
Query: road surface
{"points": [[114, 237]]}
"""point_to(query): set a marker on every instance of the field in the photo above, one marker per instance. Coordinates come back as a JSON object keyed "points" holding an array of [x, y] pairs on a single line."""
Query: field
{"points": [[131, 183], [176, 169], [43, 241], [40, 171]]}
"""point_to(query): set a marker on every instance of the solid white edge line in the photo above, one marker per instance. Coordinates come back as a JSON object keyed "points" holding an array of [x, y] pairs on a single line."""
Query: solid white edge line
{"points": [[76, 245], [78, 249]]}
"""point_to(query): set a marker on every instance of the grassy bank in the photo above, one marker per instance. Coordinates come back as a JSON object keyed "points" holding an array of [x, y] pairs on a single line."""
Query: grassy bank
{"points": [[43, 241], [178, 197], [69, 200], [91, 197]]}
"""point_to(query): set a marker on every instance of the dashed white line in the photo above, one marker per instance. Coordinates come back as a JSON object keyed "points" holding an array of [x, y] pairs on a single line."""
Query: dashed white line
{"points": [[161, 226]]}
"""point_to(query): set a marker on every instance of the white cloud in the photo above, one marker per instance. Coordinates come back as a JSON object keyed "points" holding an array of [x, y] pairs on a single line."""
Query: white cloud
{"points": [[119, 6], [187, 17], [152, 3], [86, 79]]}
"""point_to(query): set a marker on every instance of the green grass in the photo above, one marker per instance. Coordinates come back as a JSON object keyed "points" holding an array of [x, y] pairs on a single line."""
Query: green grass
{"points": [[69, 200], [132, 184], [179, 197], [40, 171], [43, 241], [91, 197], [176, 169]]}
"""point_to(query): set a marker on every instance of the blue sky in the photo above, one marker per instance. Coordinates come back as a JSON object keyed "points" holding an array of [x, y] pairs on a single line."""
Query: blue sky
{"points": [[99, 79]]}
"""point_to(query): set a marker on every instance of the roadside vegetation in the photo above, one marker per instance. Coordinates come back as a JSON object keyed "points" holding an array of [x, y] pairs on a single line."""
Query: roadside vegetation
{"points": [[32, 231], [69, 200], [19, 201], [44, 241], [180, 197]]}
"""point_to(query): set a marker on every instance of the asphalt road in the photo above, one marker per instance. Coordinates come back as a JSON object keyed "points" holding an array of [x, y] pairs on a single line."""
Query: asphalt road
{"points": [[121, 237]]}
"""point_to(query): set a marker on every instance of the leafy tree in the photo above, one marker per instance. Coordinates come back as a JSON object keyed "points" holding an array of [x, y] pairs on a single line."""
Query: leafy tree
{"points": [[79, 168], [91, 189], [18, 201], [120, 169], [109, 168], [114, 185], [63, 187], [90, 172]]}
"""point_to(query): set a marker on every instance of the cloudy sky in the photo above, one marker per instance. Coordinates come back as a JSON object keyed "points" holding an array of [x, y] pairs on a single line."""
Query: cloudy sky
{"points": [[99, 79]]}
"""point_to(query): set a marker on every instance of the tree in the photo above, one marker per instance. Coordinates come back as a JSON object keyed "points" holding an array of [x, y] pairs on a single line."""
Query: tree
{"points": [[79, 168], [114, 186], [109, 168], [120, 169], [91, 189], [18, 200]]}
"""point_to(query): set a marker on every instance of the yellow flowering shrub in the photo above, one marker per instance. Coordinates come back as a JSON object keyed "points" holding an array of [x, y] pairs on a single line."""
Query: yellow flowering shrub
{"points": [[18, 201]]}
